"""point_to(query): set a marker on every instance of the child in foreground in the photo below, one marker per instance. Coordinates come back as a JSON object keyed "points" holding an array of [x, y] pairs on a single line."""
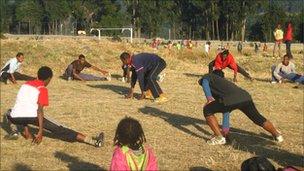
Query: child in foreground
{"points": [[130, 151]]}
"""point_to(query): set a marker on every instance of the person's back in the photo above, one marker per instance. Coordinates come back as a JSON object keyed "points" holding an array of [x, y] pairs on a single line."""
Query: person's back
{"points": [[226, 91], [29, 94], [142, 159], [130, 153], [145, 60]]}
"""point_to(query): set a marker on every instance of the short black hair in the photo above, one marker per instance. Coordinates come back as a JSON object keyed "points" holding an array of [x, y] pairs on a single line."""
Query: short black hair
{"points": [[124, 56], [225, 52], [19, 54], [81, 56], [219, 73], [130, 133], [45, 73]]}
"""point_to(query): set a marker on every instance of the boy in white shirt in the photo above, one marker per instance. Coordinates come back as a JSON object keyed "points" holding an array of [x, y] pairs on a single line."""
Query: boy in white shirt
{"points": [[28, 110]]}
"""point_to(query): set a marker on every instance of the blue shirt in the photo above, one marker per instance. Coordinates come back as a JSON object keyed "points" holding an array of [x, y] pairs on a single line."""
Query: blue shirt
{"points": [[143, 63]]}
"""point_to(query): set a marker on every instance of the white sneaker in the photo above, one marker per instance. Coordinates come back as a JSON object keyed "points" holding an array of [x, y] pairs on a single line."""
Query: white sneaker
{"points": [[69, 78], [161, 77], [217, 140], [279, 139], [273, 82]]}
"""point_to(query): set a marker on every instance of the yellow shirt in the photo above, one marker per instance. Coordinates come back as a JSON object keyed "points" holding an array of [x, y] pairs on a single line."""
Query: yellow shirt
{"points": [[278, 34]]}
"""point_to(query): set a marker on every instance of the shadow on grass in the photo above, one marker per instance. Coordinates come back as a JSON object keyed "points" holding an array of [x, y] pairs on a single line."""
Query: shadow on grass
{"points": [[178, 121], [74, 163], [115, 88], [259, 144], [193, 75], [116, 76], [21, 167], [199, 168], [262, 80]]}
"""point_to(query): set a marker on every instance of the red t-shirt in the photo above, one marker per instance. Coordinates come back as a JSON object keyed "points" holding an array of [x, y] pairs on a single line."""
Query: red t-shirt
{"points": [[221, 63], [43, 98]]}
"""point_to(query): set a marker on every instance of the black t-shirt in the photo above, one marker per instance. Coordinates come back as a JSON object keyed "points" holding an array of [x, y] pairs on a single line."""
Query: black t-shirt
{"points": [[79, 66], [225, 91]]}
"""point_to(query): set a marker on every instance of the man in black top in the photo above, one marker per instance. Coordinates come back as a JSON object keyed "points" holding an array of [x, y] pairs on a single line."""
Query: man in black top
{"points": [[226, 98], [73, 71]]}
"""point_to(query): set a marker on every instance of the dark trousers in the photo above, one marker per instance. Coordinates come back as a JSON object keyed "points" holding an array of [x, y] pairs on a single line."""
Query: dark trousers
{"points": [[18, 76], [87, 77], [240, 69], [48, 124], [152, 76], [288, 51], [248, 108]]}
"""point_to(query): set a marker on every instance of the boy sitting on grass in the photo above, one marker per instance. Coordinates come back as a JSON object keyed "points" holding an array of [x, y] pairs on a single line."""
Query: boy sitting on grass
{"points": [[31, 99]]}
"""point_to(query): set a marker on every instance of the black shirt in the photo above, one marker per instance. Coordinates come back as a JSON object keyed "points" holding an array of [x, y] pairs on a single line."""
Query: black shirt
{"points": [[225, 91]]}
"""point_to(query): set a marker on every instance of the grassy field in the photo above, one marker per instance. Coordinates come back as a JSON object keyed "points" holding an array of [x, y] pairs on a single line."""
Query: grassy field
{"points": [[176, 130]]}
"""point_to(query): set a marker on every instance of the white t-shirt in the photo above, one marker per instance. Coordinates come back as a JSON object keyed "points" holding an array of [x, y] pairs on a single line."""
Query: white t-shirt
{"points": [[11, 66], [30, 95], [207, 48]]}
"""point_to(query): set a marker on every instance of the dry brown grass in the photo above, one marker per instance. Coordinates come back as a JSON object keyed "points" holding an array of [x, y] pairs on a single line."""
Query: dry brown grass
{"points": [[176, 130]]}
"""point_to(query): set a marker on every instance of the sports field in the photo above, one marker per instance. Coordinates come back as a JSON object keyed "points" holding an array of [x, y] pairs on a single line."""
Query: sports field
{"points": [[176, 130]]}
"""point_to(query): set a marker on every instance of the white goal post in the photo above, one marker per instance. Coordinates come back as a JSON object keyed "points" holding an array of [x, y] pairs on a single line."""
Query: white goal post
{"points": [[122, 30]]}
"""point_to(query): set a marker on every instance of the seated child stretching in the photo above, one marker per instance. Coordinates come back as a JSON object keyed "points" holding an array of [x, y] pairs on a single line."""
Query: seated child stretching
{"points": [[31, 99], [130, 151]]}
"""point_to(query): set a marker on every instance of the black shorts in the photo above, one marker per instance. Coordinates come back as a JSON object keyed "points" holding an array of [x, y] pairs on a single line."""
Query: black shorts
{"points": [[248, 108]]}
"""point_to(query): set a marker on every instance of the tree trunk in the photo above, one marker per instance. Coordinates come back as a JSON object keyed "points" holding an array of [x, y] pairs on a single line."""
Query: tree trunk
{"points": [[227, 30], [213, 31], [217, 30], [243, 30]]}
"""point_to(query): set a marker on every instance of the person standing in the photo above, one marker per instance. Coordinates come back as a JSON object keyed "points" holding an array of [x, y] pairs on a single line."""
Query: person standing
{"points": [[278, 36], [288, 38]]}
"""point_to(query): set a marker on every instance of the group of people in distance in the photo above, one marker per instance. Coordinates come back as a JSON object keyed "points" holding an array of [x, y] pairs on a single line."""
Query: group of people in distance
{"points": [[131, 152]]}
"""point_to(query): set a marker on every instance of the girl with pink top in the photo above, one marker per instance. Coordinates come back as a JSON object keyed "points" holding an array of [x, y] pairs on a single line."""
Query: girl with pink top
{"points": [[130, 153]]}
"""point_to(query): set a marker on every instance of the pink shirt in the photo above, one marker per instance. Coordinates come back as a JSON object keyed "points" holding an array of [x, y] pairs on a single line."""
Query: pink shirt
{"points": [[119, 161]]}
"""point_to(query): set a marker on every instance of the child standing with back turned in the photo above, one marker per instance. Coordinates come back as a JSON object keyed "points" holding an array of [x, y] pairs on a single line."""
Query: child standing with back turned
{"points": [[130, 152]]}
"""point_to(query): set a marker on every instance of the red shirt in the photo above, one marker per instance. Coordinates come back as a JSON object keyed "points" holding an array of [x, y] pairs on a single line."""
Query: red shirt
{"points": [[221, 63], [43, 98], [288, 34]]}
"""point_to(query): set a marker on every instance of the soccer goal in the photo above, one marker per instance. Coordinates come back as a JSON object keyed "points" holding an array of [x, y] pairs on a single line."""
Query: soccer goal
{"points": [[110, 29]]}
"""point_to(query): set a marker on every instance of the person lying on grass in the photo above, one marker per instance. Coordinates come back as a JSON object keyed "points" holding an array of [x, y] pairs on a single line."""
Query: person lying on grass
{"points": [[73, 71], [9, 70], [146, 68], [227, 97], [285, 71], [131, 152], [28, 109]]}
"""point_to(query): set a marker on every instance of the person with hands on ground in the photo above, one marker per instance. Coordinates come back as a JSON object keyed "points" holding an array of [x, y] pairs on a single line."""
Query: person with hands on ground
{"points": [[225, 59], [73, 71], [145, 68], [226, 98], [9, 70], [28, 109]]}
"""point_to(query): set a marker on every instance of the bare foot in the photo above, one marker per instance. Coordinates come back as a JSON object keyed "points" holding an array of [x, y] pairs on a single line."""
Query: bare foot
{"points": [[27, 135]]}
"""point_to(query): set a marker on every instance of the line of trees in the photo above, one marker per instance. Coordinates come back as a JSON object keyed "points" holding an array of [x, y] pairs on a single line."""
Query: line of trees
{"points": [[192, 19]]}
